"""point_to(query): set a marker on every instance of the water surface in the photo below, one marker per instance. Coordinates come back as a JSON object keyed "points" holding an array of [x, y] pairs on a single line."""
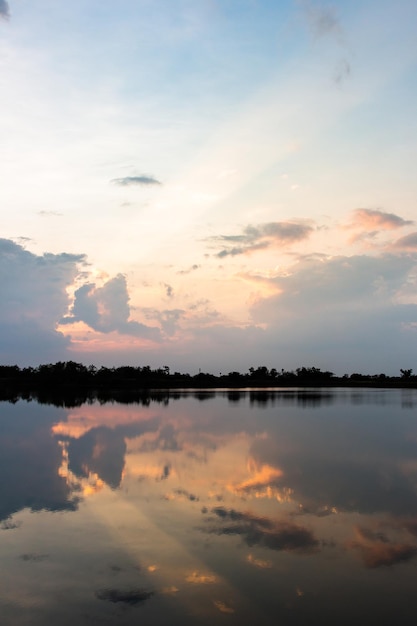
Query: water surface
{"points": [[272, 507]]}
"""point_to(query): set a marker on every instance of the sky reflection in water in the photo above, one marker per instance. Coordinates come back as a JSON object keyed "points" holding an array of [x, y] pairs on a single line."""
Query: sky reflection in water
{"points": [[289, 507]]}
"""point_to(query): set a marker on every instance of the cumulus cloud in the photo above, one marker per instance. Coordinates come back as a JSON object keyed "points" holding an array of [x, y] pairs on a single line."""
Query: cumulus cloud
{"points": [[4, 9], [143, 179], [106, 309], [262, 236], [33, 299]]}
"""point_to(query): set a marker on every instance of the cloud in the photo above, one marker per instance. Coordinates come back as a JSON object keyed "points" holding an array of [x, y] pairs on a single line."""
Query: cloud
{"points": [[339, 308], [50, 214], [169, 319], [166, 440], [376, 220], [272, 534], [342, 71], [324, 23], [169, 290], [33, 299], [187, 495], [131, 596], [223, 607], [198, 578], [4, 9], [193, 268], [262, 236], [136, 180], [31, 459], [377, 551], [35, 557], [263, 476], [322, 20], [261, 563], [339, 284], [9, 524], [106, 309], [409, 242], [101, 451]]}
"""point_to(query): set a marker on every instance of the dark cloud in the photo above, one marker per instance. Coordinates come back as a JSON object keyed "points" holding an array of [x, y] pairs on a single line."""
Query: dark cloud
{"points": [[165, 472], [33, 299], [272, 534], [411, 526], [101, 451], [377, 551], [4, 9], [136, 180], [169, 290], [131, 596], [35, 557], [9, 524], [189, 496], [409, 242], [262, 236], [106, 309], [29, 463]]}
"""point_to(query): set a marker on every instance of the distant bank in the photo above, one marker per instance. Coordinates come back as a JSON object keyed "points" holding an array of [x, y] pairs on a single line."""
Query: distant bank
{"points": [[69, 374]]}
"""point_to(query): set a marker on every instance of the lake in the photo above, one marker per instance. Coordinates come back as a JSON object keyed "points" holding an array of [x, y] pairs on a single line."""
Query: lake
{"points": [[291, 506]]}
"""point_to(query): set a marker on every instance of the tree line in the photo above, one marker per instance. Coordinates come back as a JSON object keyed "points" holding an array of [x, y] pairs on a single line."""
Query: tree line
{"points": [[70, 373]]}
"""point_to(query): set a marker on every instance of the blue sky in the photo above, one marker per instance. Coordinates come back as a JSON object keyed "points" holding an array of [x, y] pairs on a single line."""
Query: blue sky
{"points": [[209, 184]]}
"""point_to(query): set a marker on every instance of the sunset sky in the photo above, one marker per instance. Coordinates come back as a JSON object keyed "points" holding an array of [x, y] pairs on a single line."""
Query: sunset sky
{"points": [[211, 184]]}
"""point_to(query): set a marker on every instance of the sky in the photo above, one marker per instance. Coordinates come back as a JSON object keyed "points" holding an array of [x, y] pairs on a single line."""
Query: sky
{"points": [[209, 184]]}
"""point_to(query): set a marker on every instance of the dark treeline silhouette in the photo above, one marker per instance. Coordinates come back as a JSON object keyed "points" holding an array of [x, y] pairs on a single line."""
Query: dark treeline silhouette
{"points": [[88, 383]]}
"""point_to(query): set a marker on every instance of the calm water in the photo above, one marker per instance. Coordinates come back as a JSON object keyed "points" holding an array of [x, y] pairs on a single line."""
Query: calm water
{"points": [[292, 507]]}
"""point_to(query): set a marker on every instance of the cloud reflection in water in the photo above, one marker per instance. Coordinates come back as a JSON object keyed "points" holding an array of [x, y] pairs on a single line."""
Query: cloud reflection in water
{"points": [[175, 496]]}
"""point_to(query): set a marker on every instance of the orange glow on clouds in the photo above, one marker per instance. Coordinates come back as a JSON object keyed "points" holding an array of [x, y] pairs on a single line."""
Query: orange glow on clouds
{"points": [[261, 563], [261, 475], [83, 486], [81, 420], [85, 339], [197, 578], [223, 607]]}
